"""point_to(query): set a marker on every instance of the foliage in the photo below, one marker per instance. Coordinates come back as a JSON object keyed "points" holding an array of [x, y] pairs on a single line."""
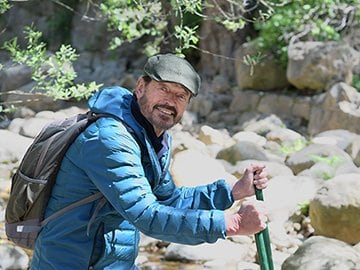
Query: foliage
{"points": [[304, 208], [165, 21], [4, 6], [306, 20], [132, 20], [356, 82], [174, 25], [332, 161], [253, 60], [53, 73], [293, 146]]}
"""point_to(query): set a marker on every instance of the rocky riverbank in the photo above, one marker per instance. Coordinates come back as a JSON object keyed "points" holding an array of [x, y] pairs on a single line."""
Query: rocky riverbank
{"points": [[312, 198]]}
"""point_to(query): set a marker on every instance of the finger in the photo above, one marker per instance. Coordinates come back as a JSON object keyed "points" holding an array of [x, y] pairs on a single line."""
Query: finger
{"points": [[260, 173], [261, 185], [257, 167]]}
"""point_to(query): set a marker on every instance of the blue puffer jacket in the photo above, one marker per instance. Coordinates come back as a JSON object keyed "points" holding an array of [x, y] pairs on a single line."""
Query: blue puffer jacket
{"points": [[140, 196]]}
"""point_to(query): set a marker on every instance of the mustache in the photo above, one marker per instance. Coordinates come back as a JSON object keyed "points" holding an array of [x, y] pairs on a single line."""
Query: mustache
{"points": [[167, 107]]}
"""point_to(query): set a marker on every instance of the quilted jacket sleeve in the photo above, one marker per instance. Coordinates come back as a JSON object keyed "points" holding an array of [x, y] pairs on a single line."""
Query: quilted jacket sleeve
{"points": [[111, 158], [216, 195]]}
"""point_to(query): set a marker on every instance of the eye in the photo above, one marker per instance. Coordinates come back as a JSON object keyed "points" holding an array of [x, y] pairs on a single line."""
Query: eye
{"points": [[164, 89], [182, 98]]}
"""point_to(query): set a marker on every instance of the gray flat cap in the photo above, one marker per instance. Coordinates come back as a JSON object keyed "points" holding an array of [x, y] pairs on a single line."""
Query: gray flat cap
{"points": [[171, 68]]}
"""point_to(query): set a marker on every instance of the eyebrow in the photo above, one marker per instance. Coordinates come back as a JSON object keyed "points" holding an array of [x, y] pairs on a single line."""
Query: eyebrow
{"points": [[164, 83]]}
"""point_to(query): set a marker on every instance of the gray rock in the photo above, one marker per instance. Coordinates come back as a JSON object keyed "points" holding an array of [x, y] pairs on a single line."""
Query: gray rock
{"points": [[338, 108], [242, 151], [207, 170], [32, 126], [11, 78], [12, 146], [319, 65], [341, 137], [319, 253], [222, 250], [269, 74], [272, 168], [13, 258], [326, 171], [308, 156], [260, 123]]}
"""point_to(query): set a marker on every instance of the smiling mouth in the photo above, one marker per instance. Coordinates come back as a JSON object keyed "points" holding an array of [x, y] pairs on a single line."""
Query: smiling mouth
{"points": [[167, 111]]}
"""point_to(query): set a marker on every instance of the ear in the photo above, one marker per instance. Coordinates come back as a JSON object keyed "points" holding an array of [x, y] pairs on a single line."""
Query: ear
{"points": [[139, 87]]}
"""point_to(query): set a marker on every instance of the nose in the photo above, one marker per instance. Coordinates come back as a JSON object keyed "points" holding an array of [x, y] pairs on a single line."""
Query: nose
{"points": [[170, 98]]}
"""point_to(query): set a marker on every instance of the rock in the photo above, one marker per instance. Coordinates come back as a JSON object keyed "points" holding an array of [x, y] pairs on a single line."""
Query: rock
{"points": [[16, 125], [308, 156], [283, 107], [202, 105], [12, 146], [272, 168], [242, 151], [184, 140], [222, 249], [354, 151], [12, 257], [335, 209], [284, 135], [245, 101], [12, 77], [260, 123], [338, 108], [340, 137], [207, 169], [33, 126], [318, 253], [219, 84], [247, 266], [209, 135], [23, 112], [268, 74], [249, 136], [285, 193], [327, 171], [318, 66]]}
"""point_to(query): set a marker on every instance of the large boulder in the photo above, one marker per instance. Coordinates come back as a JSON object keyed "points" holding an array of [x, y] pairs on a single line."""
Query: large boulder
{"points": [[269, 74], [319, 65], [335, 209], [336, 109]]}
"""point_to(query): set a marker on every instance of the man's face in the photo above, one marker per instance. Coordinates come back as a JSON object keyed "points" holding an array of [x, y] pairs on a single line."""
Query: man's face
{"points": [[162, 103]]}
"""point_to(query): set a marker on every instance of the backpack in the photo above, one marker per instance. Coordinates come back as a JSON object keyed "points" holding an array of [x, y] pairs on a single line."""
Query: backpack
{"points": [[33, 180]]}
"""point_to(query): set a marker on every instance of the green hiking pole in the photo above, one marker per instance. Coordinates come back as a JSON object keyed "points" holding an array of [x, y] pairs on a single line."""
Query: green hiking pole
{"points": [[261, 250], [262, 240]]}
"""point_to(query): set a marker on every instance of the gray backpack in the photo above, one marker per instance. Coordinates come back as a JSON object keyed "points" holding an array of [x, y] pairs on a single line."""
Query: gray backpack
{"points": [[33, 181]]}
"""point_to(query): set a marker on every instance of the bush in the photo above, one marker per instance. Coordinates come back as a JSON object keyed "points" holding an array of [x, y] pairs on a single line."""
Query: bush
{"points": [[304, 20]]}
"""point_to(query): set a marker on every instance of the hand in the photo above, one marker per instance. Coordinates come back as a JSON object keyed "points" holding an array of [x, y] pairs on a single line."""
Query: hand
{"points": [[250, 219], [253, 175]]}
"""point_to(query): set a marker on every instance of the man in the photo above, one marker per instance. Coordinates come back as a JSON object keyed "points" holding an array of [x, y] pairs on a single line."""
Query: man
{"points": [[126, 156]]}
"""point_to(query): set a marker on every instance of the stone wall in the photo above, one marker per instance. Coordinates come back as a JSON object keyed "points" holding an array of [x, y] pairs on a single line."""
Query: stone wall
{"points": [[337, 108]]}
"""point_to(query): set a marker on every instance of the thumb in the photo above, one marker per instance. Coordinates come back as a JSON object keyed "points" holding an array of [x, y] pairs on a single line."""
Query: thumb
{"points": [[249, 173]]}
